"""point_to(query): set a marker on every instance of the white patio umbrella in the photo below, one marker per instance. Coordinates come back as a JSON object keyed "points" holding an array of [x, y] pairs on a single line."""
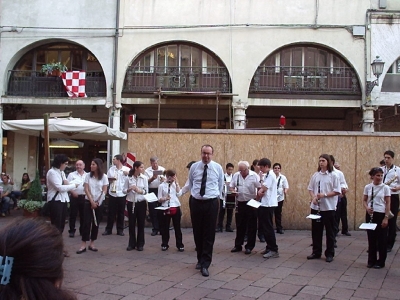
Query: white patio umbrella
{"points": [[74, 128]]}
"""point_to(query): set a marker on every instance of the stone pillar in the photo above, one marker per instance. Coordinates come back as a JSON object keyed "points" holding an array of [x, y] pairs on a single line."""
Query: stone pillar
{"points": [[239, 114], [115, 123], [368, 120], [1, 139]]}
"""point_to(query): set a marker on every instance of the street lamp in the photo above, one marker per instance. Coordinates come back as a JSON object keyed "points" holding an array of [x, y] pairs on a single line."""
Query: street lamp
{"points": [[377, 68]]}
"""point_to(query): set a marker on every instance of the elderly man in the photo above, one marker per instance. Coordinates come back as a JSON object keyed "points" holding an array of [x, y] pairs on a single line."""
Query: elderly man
{"points": [[206, 181], [245, 184], [154, 180], [77, 197], [6, 189]]}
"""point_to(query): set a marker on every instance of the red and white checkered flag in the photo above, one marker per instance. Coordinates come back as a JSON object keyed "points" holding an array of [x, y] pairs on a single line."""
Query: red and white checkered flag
{"points": [[74, 82]]}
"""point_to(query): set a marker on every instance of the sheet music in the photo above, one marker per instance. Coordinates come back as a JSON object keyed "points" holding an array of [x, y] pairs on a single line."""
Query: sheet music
{"points": [[254, 203], [151, 197], [370, 226], [313, 217]]}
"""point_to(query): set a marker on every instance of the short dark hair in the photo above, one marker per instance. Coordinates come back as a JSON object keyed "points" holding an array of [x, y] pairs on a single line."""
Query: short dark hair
{"points": [[58, 160], [375, 171], [170, 172], [229, 165], [190, 164], [207, 145], [382, 162], [119, 157], [264, 162], [389, 152], [277, 164], [37, 248]]}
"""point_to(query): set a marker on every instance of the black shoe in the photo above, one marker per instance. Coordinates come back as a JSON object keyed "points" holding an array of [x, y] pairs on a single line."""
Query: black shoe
{"points": [[280, 231], [389, 250], [236, 249], [370, 266], [228, 229], [121, 233], [129, 248], [198, 266], [106, 233], [81, 251], [181, 249], [245, 238], [204, 272], [139, 248], [262, 239], [335, 245], [313, 256], [153, 233], [329, 259], [71, 234], [164, 248], [248, 251], [218, 229], [378, 267], [347, 233]]}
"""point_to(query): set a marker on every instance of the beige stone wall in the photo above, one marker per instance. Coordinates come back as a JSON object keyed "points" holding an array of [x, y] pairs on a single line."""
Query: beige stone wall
{"points": [[297, 151]]}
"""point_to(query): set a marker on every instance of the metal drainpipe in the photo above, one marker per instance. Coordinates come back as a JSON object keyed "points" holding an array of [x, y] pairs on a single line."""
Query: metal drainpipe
{"points": [[114, 79]]}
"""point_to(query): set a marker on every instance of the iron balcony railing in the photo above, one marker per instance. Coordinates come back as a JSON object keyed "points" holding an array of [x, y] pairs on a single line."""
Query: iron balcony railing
{"points": [[184, 79], [37, 84], [305, 80]]}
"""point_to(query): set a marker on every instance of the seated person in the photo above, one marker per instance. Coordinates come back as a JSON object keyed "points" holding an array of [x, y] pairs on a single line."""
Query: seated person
{"points": [[32, 267], [6, 189], [25, 185]]}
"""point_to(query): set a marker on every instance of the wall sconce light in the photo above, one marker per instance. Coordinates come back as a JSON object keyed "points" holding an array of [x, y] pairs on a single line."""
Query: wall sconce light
{"points": [[94, 109], [65, 144], [377, 68]]}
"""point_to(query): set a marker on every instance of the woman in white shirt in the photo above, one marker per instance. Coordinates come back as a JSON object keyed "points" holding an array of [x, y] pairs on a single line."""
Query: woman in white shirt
{"points": [[95, 186], [168, 197], [376, 201], [136, 186]]}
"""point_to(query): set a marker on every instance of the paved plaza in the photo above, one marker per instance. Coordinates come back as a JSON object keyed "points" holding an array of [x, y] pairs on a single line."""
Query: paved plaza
{"points": [[114, 273]]}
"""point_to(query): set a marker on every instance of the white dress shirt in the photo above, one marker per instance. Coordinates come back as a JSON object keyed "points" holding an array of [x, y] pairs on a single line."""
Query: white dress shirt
{"points": [[246, 187], [75, 177], [215, 180], [113, 172], [55, 178]]}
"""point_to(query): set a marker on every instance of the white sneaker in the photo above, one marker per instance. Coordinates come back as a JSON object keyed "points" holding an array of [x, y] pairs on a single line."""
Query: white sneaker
{"points": [[271, 254]]}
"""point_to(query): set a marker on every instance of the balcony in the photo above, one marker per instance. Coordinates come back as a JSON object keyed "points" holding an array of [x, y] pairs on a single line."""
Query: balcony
{"points": [[305, 80], [37, 84], [184, 79]]}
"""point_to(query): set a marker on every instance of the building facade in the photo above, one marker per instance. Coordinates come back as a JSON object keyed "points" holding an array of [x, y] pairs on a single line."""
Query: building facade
{"points": [[199, 64]]}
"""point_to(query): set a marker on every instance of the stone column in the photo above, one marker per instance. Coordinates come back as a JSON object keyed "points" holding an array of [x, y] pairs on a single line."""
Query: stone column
{"points": [[1, 138], [368, 119], [115, 123], [239, 114]]}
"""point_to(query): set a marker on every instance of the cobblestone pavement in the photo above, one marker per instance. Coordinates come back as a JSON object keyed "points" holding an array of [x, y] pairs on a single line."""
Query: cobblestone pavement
{"points": [[114, 273]]}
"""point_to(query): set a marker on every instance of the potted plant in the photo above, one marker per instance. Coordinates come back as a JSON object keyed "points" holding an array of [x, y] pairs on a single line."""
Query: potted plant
{"points": [[54, 69], [33, 204]]}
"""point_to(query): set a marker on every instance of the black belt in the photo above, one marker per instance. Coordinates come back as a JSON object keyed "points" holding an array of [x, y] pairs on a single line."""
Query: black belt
{"points": [[207, 199]]}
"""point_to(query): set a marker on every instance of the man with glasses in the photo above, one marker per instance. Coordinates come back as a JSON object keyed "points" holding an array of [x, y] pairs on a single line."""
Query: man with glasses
{"points": [[391, 177], [206, 181], [282, 189], [245, 184]]}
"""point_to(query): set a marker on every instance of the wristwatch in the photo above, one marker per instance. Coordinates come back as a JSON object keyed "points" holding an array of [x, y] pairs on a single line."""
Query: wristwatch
{"points": [[325, 195]]}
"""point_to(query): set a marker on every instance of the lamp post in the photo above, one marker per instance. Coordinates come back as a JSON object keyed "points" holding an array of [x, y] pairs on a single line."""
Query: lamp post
{"points": [[377, 69]]}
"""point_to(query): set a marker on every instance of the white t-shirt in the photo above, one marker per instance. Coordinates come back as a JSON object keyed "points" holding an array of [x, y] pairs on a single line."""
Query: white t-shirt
{"points": [[325, 183], [96, 187], [270, 198], [380, 192], [282, 184]]}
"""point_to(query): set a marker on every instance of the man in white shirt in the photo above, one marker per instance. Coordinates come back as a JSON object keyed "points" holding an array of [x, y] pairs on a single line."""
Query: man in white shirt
{"points": [[154, 180], [282, 189], [269, 202], [77, 197], [228, 203], [391, 177], [116, 201]]}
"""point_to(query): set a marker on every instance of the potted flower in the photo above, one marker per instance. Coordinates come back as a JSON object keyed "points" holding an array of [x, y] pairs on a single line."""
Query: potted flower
{"points": [[33, 204], [54, 69]]}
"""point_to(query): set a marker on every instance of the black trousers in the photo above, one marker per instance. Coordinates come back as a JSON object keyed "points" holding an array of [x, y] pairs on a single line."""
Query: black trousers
{"points": [[58, 214], [136, 219], [116, 207], [394, 208], [317, 228], [76, 205], [221, 215], [341, 215], [89, 228], [278, 215], [377, 240], [204, 217], [246, 219], [153, 211], [267, 227], [164, 220]]}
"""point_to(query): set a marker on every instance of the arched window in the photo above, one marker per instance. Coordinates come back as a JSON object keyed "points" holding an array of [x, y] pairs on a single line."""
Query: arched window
{"points": [[26, 78], [177, 67], [305, 69], [391, 81]]}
